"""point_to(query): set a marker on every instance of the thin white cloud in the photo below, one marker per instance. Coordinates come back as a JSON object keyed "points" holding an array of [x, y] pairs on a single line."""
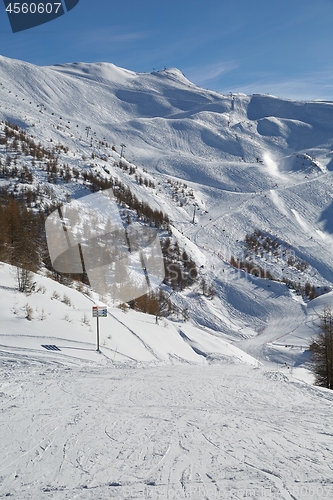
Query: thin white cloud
{"points": [[107, 35], [202, 74], [317, 85]]}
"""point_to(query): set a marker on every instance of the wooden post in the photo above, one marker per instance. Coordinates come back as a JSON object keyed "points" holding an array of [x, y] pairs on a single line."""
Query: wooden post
{"points": [[97, 333]]}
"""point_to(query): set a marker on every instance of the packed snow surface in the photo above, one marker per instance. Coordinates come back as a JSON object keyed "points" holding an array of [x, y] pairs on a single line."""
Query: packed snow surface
{"points": [[104, 431]]}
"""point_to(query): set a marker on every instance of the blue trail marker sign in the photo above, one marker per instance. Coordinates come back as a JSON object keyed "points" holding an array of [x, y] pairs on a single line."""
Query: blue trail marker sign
{"points": [[99, 312]]}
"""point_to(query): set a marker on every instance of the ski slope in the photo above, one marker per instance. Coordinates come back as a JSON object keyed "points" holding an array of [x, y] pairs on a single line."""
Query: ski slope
{"points": [[220, 406], [163, 411], [62, 316], [229, 431]]}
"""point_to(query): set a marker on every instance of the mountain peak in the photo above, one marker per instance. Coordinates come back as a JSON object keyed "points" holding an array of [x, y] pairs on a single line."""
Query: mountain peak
{"points": [[98, 71], [173, 74]]}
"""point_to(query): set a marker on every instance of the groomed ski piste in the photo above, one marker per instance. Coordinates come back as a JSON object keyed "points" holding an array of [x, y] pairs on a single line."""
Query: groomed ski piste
{"points": [[222, 405], [163, 411]]}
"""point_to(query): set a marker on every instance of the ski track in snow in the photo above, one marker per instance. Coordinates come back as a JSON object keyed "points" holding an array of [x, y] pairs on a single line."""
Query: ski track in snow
{"points": [[164, 432]]}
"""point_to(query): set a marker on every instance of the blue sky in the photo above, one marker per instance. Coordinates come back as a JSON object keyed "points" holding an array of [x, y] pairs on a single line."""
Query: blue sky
{"points": [[279, 47]]}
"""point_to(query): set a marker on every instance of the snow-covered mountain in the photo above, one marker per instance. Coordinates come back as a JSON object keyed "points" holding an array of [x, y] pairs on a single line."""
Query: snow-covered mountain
{"points": [[248, 162], [221, 167]]}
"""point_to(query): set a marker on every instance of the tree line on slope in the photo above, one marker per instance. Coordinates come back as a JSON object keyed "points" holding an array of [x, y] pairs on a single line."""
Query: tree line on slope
{"points": [[21, 239], [321, 350], [180, 269], [259, 245]]}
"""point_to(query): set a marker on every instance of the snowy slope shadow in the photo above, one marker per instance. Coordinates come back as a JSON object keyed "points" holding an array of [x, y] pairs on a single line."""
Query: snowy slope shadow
{"points": [[327, 218], [191, 343]]}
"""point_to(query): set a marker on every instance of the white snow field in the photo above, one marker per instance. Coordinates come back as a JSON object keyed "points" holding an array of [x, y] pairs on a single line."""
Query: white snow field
{"points": [[101, 431], [222, 405], [167, 411], [164, 411]]}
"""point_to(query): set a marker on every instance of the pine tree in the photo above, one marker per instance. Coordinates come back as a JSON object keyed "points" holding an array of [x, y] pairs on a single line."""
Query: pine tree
{"points": [[322, 350], [203, 286], [20, 240], [211, 291]]}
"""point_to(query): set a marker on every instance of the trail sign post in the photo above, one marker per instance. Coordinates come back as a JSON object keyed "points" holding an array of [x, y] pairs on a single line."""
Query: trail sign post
{"points": [[99, 312]]}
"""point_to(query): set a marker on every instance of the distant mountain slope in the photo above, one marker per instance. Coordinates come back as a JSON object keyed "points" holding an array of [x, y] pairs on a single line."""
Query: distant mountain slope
{"points": [[235, 163]]}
